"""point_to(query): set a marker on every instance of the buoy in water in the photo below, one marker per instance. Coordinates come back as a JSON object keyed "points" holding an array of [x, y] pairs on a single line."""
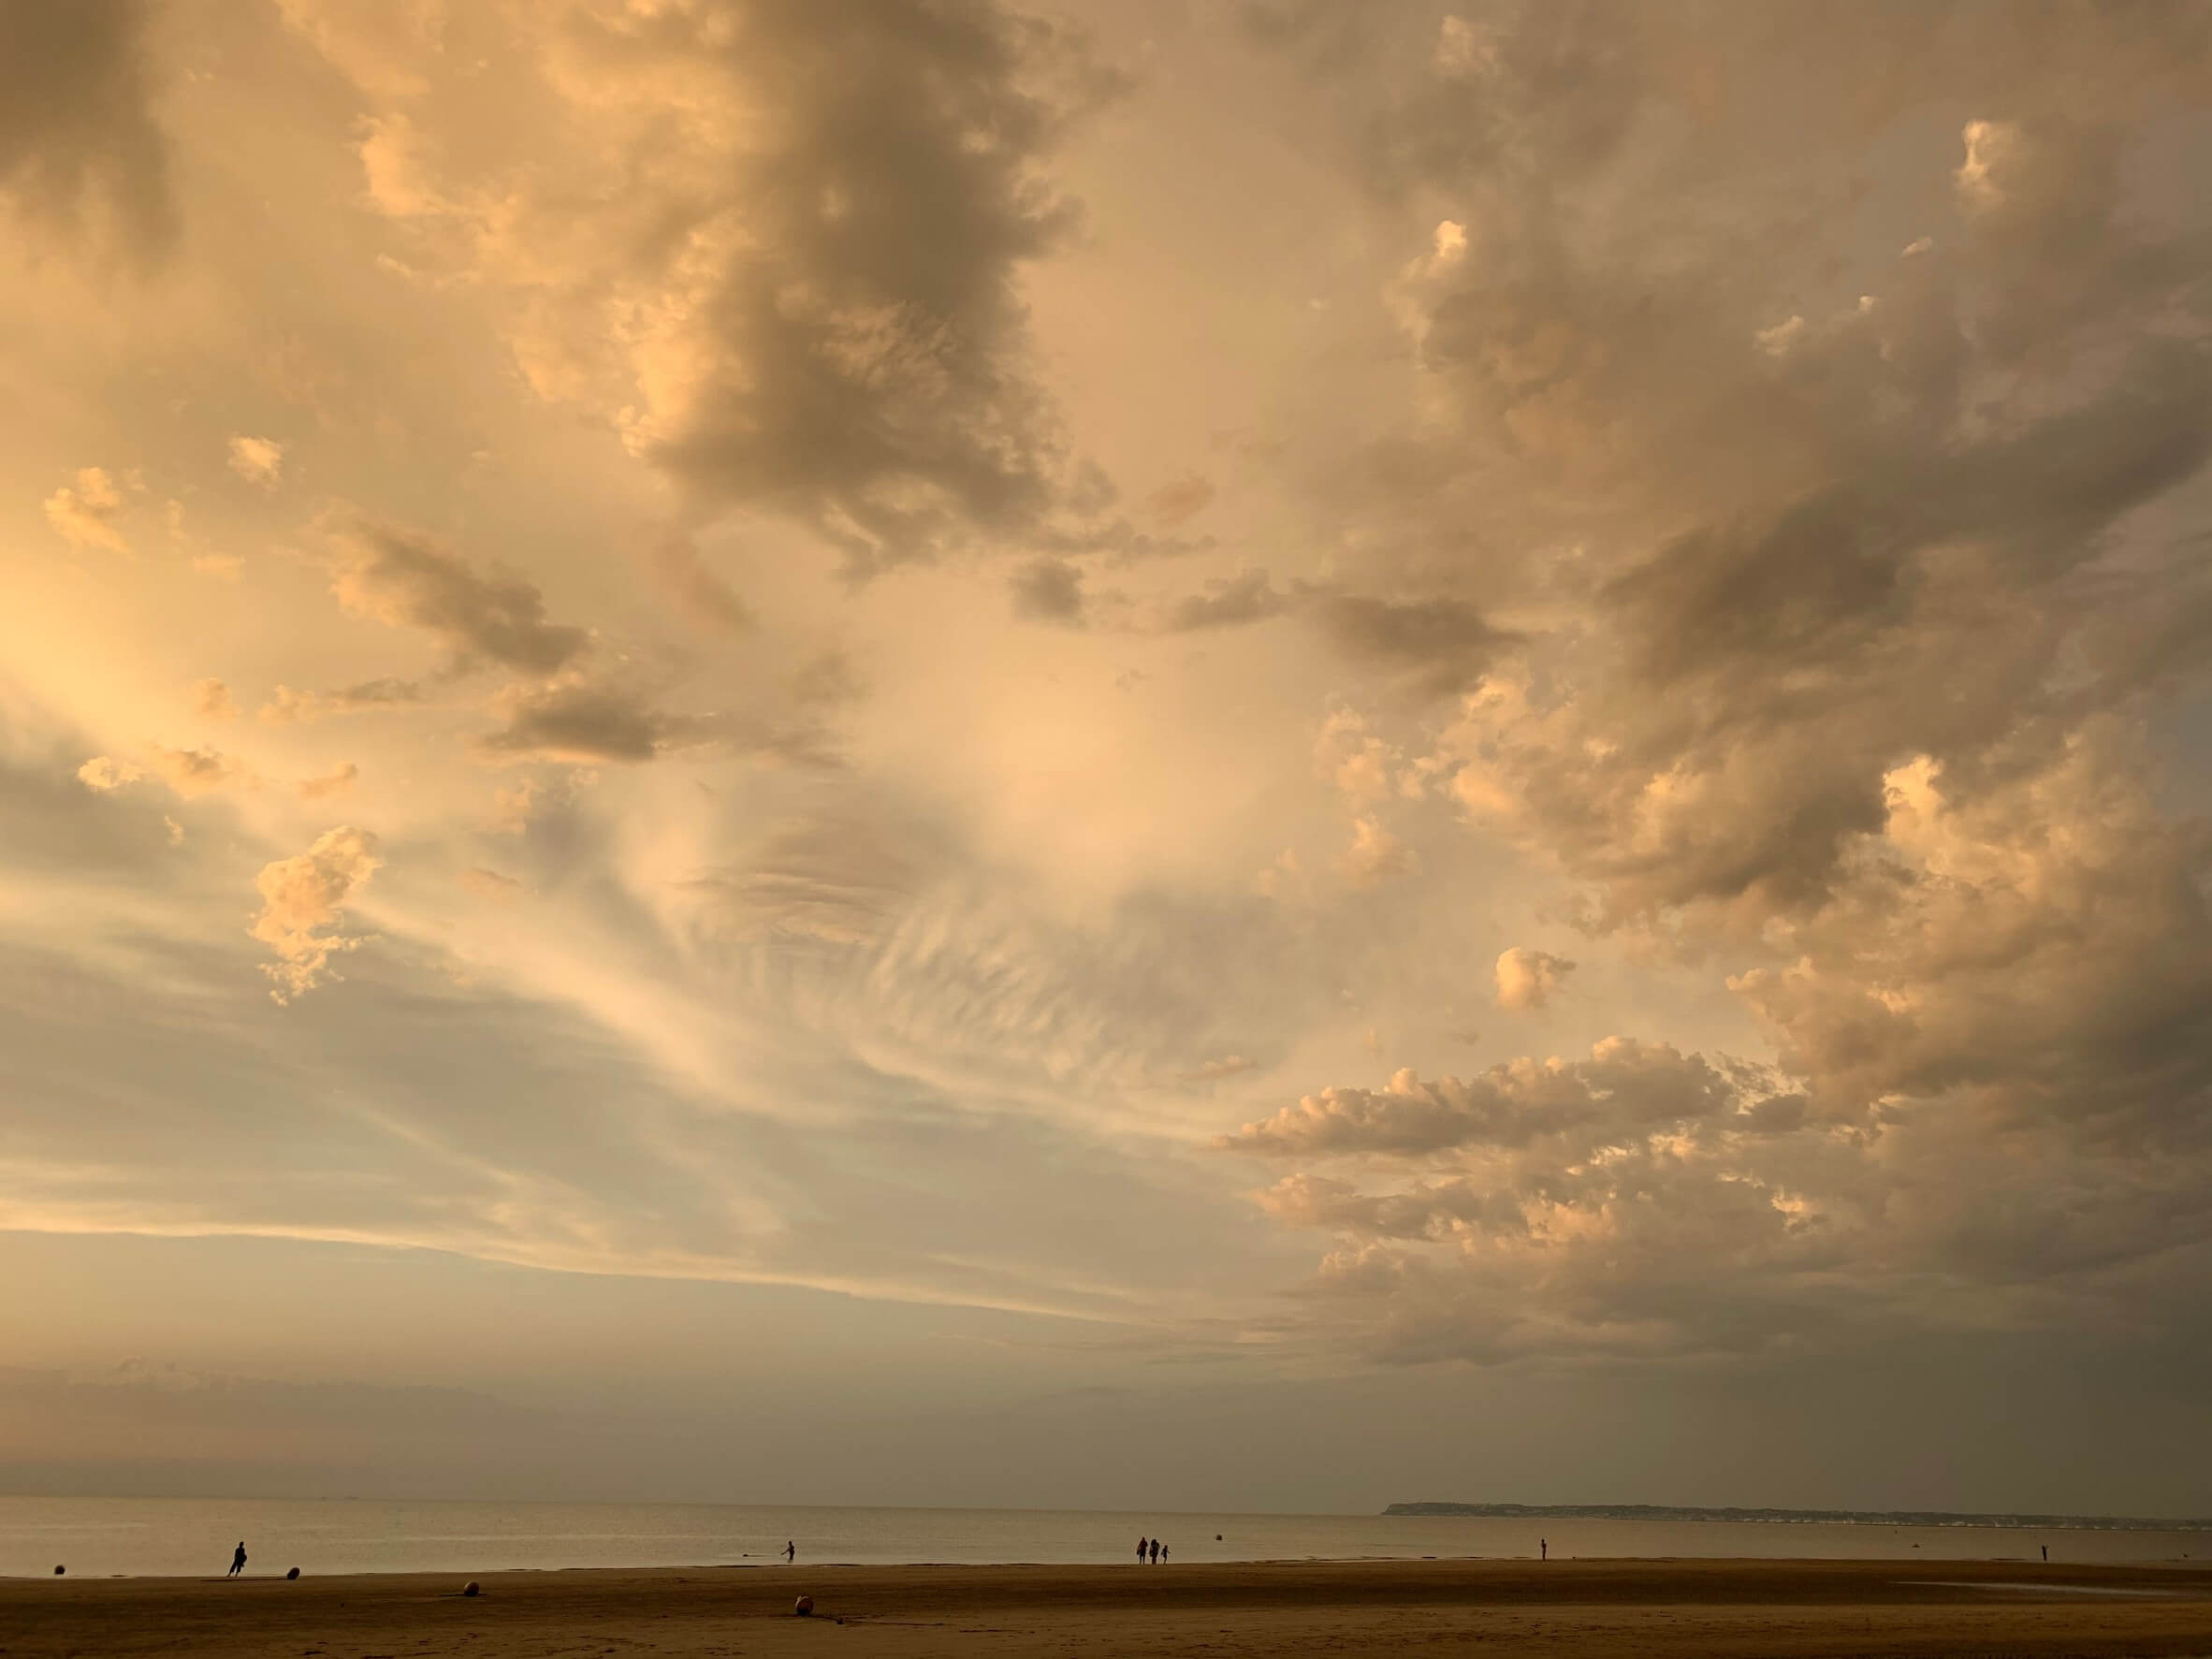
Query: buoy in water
{"points": [[803, 1607], [293, 1574], [59, 1571]]}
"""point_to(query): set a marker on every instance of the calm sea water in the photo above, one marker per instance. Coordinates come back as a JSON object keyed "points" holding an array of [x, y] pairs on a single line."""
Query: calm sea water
{"points": [[193, 1537]]}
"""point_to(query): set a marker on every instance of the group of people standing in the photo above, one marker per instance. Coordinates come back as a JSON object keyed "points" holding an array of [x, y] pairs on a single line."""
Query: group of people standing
{"points": [[1151, 1550]]}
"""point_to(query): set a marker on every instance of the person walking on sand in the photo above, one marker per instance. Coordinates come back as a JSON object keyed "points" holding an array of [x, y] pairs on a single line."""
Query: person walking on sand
{"points": [[1142, 1545], [790, 1552], [1155, 1552], [238, 1562], [1163, 1552]]}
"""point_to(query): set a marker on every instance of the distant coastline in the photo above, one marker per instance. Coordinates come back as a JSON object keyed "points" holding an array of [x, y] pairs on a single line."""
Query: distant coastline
{"points": [[2094, 1523]]}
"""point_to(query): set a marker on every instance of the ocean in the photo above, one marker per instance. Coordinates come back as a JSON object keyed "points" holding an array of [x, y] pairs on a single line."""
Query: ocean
{"points": [[193, 1536]]}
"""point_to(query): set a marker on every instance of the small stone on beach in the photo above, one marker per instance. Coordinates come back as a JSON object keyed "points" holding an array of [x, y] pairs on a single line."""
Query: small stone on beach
{"points": [[472, 1588], [804, 1608]]}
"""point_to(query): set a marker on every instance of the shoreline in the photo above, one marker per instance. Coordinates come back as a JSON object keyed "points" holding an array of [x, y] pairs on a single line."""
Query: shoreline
{"points": [[1669, 1515], [100, 1537], [777, 1564], [1566, 1610]]}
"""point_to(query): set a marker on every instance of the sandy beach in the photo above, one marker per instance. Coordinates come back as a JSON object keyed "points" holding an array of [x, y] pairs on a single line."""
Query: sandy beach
{"points": [[1337, 1607]]}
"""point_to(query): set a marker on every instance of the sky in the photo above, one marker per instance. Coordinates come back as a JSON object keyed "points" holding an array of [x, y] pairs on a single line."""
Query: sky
{"points": [[1233, 754]]}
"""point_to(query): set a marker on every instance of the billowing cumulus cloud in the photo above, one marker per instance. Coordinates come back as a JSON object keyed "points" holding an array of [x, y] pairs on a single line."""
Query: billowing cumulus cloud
{"points": [[286, 705], [786, 260], [1832, 602], [193, 771], [188, 771], [1375, 854], [211, 700], [1366, 767], [1528, 979], [85, 512], [105, 773], [1974, 1082], [304, 900], [258, 461], [1512, 1106]]}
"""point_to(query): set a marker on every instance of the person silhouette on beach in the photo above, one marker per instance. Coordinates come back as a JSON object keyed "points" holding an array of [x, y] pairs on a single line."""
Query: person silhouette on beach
{"points": [[1163, 1552], [1155, 1552], [238, 1562], [1142, 1545], [790, 1552], [1543, 1548], [2046, 1552]]}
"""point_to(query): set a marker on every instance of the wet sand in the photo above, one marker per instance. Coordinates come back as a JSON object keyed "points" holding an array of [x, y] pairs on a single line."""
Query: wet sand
{"points": [[1491, 1607]]}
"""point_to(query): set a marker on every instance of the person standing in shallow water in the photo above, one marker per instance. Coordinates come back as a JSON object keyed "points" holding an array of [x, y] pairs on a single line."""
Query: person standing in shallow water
{"points": [[790, 1552], [1142, 1545], [1543, 1548], [238, 1562]]}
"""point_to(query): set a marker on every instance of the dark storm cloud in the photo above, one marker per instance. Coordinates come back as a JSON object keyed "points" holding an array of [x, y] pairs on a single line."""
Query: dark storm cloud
{"points": [[825, 212], [1822, 582], [1228, 602], [580, 722], [1895, 514], [587, 721], [1048, 590], [78, 139], [1434, 647], [1860, 555], [884, 396], [407, 579]]}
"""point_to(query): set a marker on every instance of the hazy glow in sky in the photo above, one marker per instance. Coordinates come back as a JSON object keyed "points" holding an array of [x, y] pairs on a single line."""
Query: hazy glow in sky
{"points": [[1428, 750]]}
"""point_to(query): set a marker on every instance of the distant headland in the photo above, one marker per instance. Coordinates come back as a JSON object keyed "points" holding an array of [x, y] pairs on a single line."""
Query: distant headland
{"points": [[2098, 1523]]}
